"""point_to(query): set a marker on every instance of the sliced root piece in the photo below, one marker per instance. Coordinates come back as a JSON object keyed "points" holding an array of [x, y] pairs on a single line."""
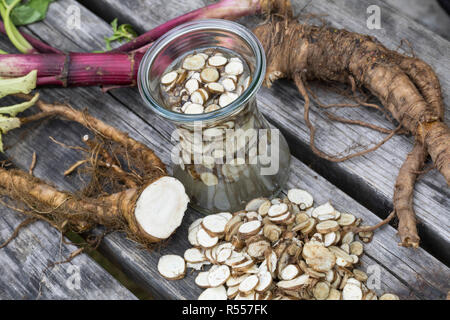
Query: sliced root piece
{"points": [[346, 219], [321, 290], [255, 204], [294, 284], [219, 276], [160, 207], [194, 255], [194, 63], [172, 267], [249, 229], [217, 61], [301, 198], [249, 284], [202, 280], [256, 249], [327, 226], [209, 75], [205, 240], [318, 257], [278, 210], [169, 78], [289, 272], [389, 296], [265, 281], [234, 68], [351, 292], [218, 293], [214, 224]]}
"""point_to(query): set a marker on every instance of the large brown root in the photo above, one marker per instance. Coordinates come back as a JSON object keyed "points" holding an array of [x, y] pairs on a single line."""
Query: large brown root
{"points": [[403, 196], [149, 212], [337, 55], [407, 87]]}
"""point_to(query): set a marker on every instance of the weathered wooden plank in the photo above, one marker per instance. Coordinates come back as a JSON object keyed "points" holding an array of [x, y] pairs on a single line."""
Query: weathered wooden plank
{"points": [[369, 179], [141, 264]]}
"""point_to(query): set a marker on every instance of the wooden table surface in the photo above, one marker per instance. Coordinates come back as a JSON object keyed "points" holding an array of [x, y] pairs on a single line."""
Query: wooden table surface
{"points": [[362, 186]]}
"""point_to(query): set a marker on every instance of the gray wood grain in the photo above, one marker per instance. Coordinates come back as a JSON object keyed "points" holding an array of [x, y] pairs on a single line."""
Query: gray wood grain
{"points": [[369, 179], [410, 273]]}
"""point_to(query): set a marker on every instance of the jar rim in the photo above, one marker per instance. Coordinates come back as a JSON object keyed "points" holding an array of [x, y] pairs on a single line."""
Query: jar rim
{"points": [[207, 24]]}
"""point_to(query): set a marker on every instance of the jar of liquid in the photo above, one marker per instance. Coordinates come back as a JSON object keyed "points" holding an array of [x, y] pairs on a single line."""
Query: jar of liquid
{"points": [[226, 155]]}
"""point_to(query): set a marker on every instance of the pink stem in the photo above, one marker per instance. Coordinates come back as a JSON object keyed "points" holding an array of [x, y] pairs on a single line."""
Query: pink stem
{"points": [[224, 9], [38, 45], [74, 69]]}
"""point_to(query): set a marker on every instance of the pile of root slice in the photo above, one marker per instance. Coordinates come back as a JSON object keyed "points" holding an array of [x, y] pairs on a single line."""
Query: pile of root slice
{"points": [[129, 190], [278, 249]]}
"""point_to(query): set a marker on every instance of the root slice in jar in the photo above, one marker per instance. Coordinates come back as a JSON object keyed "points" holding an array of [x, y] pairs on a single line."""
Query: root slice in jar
{"points": [[217, 61], [227, 98], [194, 108], [215, 87], [169, 78], [218, 293], [229, 84], [234, 68], [209, 75], [172, 267], [194, 63], [209, 179], [212, 107], [192, 85]]}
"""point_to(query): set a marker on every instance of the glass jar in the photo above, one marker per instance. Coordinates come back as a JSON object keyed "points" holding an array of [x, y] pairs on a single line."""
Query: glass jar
{"points": [[225, 157]]}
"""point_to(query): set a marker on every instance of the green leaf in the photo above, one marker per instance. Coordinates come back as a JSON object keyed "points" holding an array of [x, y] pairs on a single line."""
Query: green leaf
{"points": [[20, 107], [18, 85], [30, 12], [124, 32]]}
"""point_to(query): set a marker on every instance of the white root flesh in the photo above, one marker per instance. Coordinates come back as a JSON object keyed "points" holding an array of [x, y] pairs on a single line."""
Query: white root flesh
{"points": [[161, 206], [172, 267], [218, 293]]}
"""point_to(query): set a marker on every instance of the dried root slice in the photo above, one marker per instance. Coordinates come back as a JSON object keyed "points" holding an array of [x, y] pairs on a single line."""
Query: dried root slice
{"points": [[346, 219], [294, 284], [227, 98], [255, 204], [169, 78], [301, 198], [202, 280], [265, 282], [289, 272], [329, 239], [194, 255], [356, 248], [172, 267], [235, 281], [209, 75], [249, 229], [160, 208], [321, 290], [192, 235], [249, 284], [327, 226], [334, 294], [205, 240], [194, 63], [218, 276], [197, 266], [318, 257], [324, 212], [278, 210], [283, 219], [389, 296], [217, 293], [263, 209], [232, 292], [214, 224], [352, 292], [256, 249]]}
